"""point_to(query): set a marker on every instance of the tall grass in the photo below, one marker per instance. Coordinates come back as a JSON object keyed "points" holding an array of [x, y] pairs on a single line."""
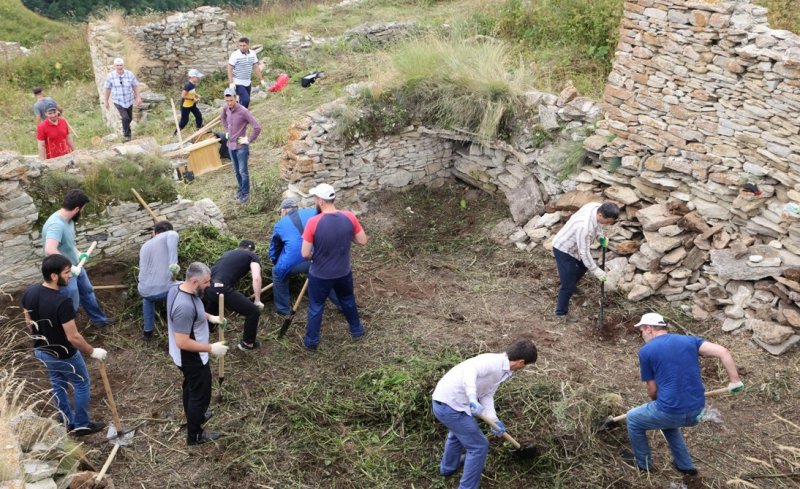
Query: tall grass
{"points": [[783, 14], [19, 24]]}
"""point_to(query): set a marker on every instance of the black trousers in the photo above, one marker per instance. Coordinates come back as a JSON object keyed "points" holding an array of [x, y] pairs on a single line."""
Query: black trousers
{"points": [[198, 116], [196, 397], [126, 114], [238, 303]]}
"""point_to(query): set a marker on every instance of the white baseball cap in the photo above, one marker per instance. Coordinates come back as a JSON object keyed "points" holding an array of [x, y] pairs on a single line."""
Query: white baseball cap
{"points": [[323, 191], [118, 61], [195, 73], [651, 319]]}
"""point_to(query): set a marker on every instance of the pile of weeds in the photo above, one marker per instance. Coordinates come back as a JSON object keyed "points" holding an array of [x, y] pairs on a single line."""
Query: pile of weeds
{"points": [[105, 183]]}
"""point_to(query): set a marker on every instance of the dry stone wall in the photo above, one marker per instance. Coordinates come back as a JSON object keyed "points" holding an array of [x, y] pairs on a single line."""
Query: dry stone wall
{"points": [[126, 224]]}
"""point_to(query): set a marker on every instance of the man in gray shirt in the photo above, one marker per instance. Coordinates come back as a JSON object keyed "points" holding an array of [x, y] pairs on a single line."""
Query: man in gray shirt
{"points": [[40, 105], [187, 323], [158, 264]]}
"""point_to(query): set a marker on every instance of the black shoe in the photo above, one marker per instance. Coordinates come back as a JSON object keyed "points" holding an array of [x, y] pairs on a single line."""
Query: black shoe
{"points": [[92, 427], [692, 472], [312, 349], [103, 324], [148, 335], [628, 457], [204, 437], [245, 347], [207, 416]]}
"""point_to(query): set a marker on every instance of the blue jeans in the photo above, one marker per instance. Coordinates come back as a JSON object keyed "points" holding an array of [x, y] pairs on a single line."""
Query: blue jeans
{"points": [[280, 289], [464, 434], [239, 158], [80, 290], [318, 291], [244, 94], [649, 417], [149, 309], [64, 372], [570, 271]]}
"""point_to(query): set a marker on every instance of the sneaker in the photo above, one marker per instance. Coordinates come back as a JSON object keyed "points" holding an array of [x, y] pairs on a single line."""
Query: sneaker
{"points": [[92, 427], [361, 336], [692, 472], [245, 347], [204, 437]]}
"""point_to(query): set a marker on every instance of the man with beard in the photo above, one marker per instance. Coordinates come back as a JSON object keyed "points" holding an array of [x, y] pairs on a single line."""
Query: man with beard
{"points": [[58, 238], [240, 71], [53, 134], [187, 323], [50, 320]]}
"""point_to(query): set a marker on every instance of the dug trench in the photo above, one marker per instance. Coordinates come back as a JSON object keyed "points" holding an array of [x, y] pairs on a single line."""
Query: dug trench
{"points": [[433, 289]]}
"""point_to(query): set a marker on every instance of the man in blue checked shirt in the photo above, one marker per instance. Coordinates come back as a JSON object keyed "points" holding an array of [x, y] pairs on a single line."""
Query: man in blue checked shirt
{"points": [[122, 87], [467, 391]]}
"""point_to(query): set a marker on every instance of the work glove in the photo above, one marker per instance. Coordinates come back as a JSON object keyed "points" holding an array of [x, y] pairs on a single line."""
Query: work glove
{"points": [[501, 428], [603, 241], [475, 408], [218, 349], [99, 354], [222, 323], [83, 256], [75, 270], [735, 387], [259, 305], [600, 275], [264, 83], [243, 140], [232, 86], [174, 269]]}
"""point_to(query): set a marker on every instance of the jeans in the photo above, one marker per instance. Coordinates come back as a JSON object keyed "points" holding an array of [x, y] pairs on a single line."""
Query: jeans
{"points": [[318, 291], [464, 434], [570, 271], [149, 309], [196, 398], [80, 290], [649, 417], [63, 372], [280, 289], [126, 114], [239, 158], [244, 95], [198, 116], [238, 303]]}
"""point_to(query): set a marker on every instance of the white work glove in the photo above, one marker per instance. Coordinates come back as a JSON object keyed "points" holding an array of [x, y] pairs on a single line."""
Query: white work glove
{"points": [[232, 86], [600, 275], [213, 319], [243, 140], [99, 354], [735, 387], [218, 349], [174, 269], [264, 83], [75, 270], [259, 305]]}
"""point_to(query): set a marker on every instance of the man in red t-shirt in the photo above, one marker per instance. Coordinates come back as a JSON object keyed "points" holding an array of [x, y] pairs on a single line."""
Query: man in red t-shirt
{"points": [[55, 138]]}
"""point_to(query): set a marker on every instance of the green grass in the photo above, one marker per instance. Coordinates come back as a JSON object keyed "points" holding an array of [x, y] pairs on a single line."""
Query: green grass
{"points": [[19, 24]]}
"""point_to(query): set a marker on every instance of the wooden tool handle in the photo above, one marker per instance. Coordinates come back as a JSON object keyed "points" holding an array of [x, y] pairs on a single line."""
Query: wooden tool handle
{"points": [[263, 289], [144, 204], [221, 333], [110, 395], [300, 297], [88, 252], [177, 124], [494, 426], [714, 393], [107, 464]]}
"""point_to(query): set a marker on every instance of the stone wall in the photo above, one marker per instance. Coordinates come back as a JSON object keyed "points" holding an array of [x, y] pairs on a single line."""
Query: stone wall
{"points": [[126, 224], [161, 53]]}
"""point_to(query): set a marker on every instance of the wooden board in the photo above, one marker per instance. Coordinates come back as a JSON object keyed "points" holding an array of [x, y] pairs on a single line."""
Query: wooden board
{"points": [[204, 157]]}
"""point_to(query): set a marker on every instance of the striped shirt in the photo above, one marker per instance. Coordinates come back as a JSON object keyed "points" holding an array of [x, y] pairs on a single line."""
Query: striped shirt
{"points": [[577, 235], [121, 87], [242, 66]]}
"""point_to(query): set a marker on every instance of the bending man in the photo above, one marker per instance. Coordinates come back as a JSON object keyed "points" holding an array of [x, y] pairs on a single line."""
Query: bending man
{"points": [[158, 264]]}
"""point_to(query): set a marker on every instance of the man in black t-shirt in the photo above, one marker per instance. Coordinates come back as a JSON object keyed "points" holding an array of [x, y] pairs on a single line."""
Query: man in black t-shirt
{"points": [[187, 325], [50, 319], [225, 274]]}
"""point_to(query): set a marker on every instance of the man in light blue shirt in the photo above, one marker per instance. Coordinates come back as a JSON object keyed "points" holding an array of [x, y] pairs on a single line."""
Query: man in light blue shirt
{"points": [[58, 237], [158, 264], [122, 88]]}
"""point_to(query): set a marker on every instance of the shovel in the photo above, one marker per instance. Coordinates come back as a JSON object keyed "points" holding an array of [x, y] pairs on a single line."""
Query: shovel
{"points": [[221, 333], [116, 435], [601, 318], [519, 452], [144, 204], [613, 422], [288, 320]]}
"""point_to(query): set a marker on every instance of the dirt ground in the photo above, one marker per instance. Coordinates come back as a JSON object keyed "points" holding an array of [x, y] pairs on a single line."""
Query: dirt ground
{"points": [[432, 287]]}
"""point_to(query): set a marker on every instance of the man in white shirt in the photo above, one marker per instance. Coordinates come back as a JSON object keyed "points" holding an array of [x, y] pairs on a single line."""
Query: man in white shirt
{"points": [[466, 391], [240, 71], [572, 248]]}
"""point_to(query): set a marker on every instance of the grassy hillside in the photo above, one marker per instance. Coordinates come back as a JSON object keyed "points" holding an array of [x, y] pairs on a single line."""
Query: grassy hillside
{"points": [[19, 24]]}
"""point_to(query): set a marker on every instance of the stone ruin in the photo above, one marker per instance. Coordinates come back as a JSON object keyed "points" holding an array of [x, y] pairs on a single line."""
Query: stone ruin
{"points": [[127, 224], [202, 39], [702, 100]]}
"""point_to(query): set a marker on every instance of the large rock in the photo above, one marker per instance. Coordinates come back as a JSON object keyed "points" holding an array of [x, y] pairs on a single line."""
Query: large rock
{"points": [[728, 267], [781, 348], [639, 292], [624, 195], [792, 316], [656, 216], [525, 201], [662, 244], [574, 200], [769, 332]]}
